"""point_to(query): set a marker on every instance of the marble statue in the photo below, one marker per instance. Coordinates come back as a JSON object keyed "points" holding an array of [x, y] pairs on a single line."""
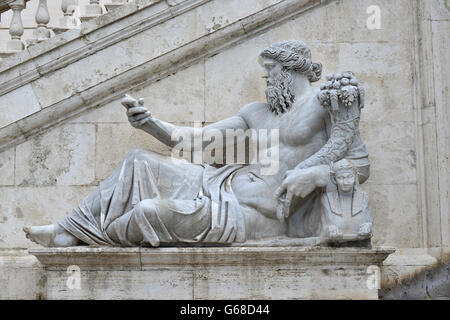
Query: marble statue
{"points": [[345, 211], [153, 200]]}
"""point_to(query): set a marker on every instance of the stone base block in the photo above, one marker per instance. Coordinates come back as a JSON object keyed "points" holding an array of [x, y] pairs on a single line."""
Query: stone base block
{"points": [[65, 23], [7, 53], [59, 30], [88, 17], [15, 45], [212, 273], [112, 6], [93, 10], [21, 276]]}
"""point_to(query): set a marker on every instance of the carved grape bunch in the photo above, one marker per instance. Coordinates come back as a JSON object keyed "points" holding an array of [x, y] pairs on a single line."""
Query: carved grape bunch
{"points": [[341, 87]]}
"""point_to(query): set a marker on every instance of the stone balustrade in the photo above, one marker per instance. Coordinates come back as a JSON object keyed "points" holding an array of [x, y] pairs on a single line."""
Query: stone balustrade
{"points": [[50, 18]]}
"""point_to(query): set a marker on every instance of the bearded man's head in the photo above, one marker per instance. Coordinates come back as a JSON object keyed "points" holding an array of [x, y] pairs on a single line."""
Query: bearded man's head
{"points": [[293, 56]]}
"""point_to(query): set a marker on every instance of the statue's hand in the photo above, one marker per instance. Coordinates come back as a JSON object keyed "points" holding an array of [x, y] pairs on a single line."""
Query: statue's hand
{"points": [[365, 230], [300, 183], [137, 114]]}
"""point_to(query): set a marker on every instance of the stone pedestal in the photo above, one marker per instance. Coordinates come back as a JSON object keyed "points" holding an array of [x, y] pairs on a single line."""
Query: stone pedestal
{"points": [[211, 273], [114, 4], [91, 11]]}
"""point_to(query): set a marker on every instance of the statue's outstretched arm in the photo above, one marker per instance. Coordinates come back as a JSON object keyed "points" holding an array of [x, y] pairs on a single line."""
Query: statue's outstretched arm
{"points": [[171, 135]]}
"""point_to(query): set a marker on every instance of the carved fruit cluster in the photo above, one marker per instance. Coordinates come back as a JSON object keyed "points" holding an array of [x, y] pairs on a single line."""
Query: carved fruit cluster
{"points": [[343, 87]]}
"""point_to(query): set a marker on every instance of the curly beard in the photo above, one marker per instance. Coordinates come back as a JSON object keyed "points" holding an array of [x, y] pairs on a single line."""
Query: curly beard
{"points": [[279, 92]]}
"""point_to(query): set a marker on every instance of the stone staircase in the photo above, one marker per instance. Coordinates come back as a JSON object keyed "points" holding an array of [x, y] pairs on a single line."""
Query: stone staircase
{"points": [[183, 32], [73, 16], [431, 283]]}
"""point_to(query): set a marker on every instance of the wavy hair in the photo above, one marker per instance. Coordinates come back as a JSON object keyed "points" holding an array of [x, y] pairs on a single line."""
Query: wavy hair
{"points": [[294, 55]]}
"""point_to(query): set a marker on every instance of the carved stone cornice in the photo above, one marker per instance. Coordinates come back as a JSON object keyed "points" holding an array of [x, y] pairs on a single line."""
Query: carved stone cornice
{"points": [[60, 258]]}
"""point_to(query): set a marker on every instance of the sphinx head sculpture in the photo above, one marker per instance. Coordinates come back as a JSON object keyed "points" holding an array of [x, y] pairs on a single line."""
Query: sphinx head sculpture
{"points": [[345, 175]]}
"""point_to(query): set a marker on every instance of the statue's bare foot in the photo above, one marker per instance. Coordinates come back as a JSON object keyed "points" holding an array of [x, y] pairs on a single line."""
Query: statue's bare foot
{"points": [[50, 236]]}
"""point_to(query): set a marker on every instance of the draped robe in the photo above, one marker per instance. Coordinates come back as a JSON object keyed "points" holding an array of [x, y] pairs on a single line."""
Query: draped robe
{"points": [[151, 199]]}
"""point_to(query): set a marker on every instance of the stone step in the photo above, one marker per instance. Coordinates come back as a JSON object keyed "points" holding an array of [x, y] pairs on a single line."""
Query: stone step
{"points": [[432, 283]]}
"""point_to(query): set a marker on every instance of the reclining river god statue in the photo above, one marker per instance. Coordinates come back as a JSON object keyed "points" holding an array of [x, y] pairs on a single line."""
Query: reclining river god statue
{"points": [[153, 200]]}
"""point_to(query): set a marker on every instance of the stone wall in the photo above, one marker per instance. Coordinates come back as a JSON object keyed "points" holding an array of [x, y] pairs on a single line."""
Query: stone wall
{"points": [[44, 177]]}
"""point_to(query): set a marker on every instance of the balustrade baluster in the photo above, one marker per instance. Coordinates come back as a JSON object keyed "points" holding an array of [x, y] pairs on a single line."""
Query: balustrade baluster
{"points": [[91, 10], [42, 32], [16, 27], [70, 19]]}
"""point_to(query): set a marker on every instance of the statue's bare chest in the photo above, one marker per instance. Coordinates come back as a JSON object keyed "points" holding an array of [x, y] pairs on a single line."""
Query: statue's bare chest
{"points": [[296, 128]]}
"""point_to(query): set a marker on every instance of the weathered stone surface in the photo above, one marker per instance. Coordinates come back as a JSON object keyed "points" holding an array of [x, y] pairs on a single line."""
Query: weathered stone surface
{"points": [[212, 273], [224, 97], [20, 206], [381, 60], [21, 276], [393, 209], [177, 98], [112, 112], [63, 156], [124, 138], [394, 105], [7, 159], [392, 151], [351, 23], [440, 10], [17, 105]]}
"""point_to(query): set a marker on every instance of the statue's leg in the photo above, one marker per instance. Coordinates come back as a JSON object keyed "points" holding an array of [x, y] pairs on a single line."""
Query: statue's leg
{"points": [[155, 221], [141, 175]]}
